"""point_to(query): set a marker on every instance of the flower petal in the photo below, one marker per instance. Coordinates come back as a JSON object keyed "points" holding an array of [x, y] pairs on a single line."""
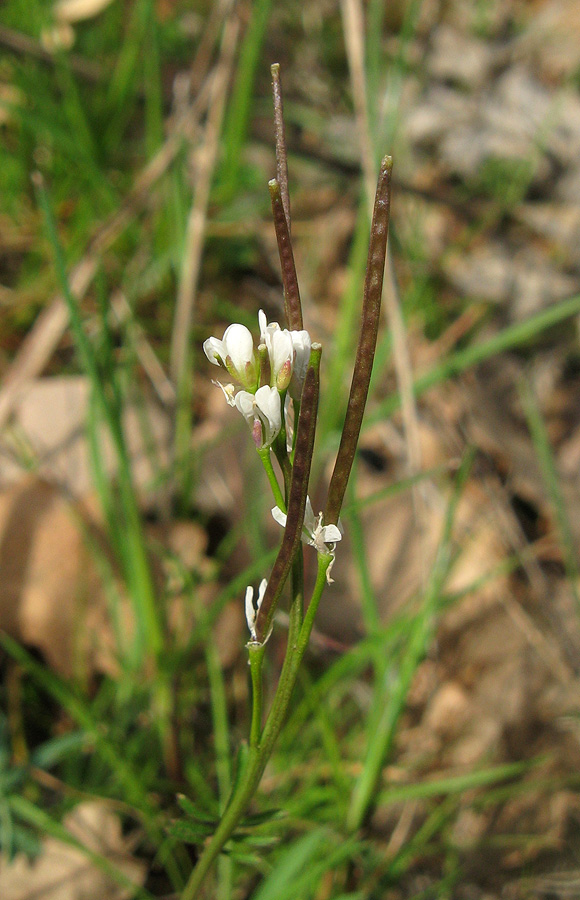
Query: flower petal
{"points": [[268, 407], [239, 346], [279, 516], [250, 611], [228, 391], [330, 534], [310, 520], [215, 351], [252, 608], [262, 413], [302, 344]]}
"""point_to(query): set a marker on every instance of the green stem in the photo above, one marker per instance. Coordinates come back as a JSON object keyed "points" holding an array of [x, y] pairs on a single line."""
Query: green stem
{"points": [[256, 652], [266, 457], [259, 754]]}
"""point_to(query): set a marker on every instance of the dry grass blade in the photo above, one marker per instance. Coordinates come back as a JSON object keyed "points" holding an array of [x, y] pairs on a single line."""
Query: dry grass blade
{"points": [[144, 351], [203, 55], [353, 26], [41, 342], [205, 164], [24, 45]]}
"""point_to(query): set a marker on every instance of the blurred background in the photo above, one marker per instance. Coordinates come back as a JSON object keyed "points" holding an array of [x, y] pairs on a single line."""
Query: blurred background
{"points": [[434, 734]]}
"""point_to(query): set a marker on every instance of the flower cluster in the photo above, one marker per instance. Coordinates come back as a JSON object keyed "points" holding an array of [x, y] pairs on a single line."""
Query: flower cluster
{"points": [[287, 354], [271, 380]]}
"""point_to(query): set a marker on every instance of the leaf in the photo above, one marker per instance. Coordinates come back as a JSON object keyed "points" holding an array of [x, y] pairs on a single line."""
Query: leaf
{"points": [[190, 831]]}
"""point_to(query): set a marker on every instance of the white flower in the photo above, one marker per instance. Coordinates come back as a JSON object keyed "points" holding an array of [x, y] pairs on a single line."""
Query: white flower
{"points": [[314, 532], [236, 353], [280, 348], [301, 343], [252, 608], [262, 413]]}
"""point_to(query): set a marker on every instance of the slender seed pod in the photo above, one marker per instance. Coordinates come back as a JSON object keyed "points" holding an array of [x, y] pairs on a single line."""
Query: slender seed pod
{"points": [[292, 306], [297, 496], [365, 353], [280, 131]]}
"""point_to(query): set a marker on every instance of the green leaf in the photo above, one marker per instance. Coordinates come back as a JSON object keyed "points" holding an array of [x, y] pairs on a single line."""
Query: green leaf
{"points": [[190, 831]]}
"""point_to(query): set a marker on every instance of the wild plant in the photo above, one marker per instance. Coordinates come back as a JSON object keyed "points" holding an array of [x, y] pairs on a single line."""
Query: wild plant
{"points": [[276, 390]]}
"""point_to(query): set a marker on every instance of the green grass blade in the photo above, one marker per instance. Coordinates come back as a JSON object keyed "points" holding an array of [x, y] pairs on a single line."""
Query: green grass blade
{"points": [[391, 699], [300, 868], [149, 632], [456, 784]]}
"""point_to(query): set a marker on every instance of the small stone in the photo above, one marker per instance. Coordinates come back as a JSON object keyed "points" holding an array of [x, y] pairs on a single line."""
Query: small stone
{"points": [[427, 122], [448, 710], [457, 58], [486, 273]]}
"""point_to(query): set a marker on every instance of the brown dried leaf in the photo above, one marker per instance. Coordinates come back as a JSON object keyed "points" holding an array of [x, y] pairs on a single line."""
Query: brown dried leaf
{"points": [[62, 872]]}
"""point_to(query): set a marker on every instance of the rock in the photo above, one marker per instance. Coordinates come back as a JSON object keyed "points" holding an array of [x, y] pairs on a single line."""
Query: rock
{"points": [[552, 39], [525, 282], [568, 186], [558, 223], [448, 710], [486, 273], [430, 119], [457, 58], [50, 421], [537, 284]]}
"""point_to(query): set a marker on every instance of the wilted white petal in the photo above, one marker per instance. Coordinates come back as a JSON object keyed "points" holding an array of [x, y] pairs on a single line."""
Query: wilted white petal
{"points": [[279, 516], [252, 609], [323, 535], [228, 392], [330, 580], [309, 517], [330, 534], [313, 532], [77, 10]]}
